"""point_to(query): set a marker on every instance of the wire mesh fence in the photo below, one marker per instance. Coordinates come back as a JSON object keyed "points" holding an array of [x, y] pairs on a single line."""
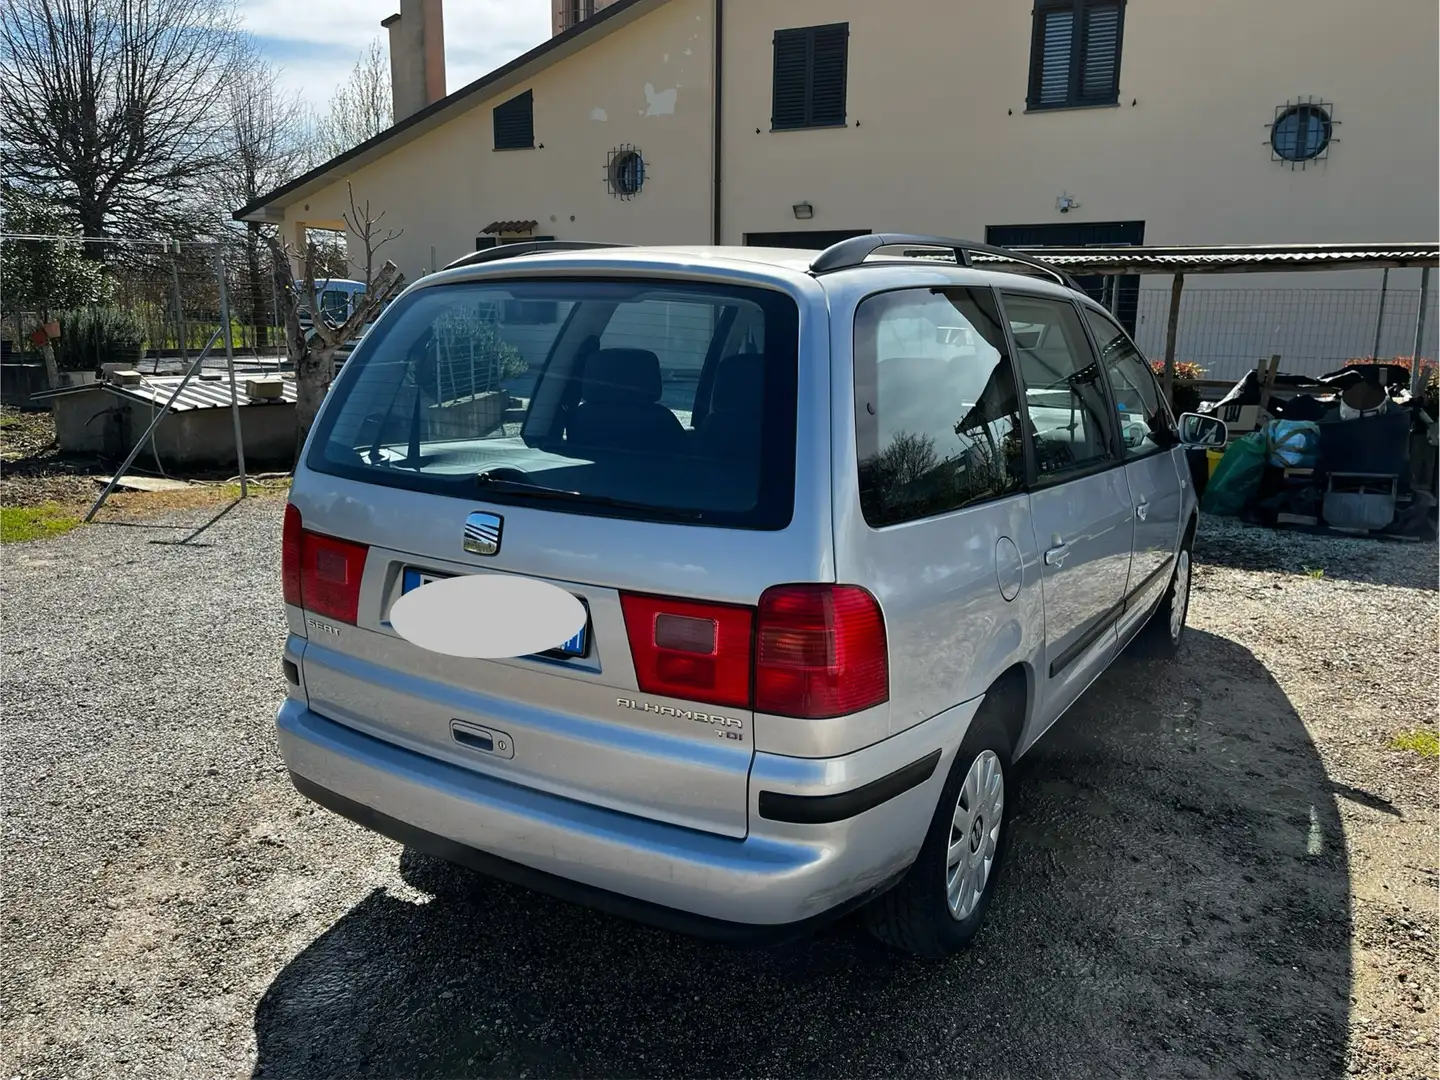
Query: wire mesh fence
{"points": [[1314, 331], [167, 296], [149, 302]]}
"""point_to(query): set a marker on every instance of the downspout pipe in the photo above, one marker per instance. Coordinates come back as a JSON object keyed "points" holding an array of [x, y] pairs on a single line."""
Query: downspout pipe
{"points": [[717, 221]]}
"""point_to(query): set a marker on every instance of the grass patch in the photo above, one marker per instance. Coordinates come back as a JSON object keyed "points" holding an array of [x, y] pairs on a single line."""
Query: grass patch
{"points": [[19, 524], [1316, 572], [1423, 741]]}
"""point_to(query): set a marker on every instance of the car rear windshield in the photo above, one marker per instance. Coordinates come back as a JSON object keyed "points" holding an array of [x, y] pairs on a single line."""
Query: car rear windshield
{"points": [[639, 399]]}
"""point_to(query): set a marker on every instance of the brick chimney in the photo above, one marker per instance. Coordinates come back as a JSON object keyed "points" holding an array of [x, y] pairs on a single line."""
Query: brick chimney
{"points": [[566, 13], [417, 56]]}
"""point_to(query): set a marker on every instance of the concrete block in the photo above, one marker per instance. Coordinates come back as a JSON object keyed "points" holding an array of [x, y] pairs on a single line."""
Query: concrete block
{"points": [[264, 389]]}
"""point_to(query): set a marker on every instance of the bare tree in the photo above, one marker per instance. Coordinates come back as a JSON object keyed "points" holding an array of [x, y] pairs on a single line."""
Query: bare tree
{"points": [[314, 355], [115, 105], [367, 229], [264, 147], [360, 108]]}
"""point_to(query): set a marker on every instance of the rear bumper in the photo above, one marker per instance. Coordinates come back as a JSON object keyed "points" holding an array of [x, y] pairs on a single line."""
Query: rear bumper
{"points": [[783, 878]]}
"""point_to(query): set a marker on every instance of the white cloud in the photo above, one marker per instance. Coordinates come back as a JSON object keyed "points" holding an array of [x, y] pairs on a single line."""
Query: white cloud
{"points": [[316, 42]]}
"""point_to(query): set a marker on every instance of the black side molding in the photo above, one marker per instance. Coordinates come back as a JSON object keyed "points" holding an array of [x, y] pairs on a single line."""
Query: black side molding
{"points": [[1109, 619], [822, 809]]}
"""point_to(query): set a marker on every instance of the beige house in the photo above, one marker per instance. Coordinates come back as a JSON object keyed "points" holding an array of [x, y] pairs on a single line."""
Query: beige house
{"points": [[1053, 122]]}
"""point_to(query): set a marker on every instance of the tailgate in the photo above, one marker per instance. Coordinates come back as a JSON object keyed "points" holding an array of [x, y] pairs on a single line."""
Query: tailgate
{"points": [[576, 727]]}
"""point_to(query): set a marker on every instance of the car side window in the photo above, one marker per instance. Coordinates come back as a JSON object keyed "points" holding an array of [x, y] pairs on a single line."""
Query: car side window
{"points": [[1146, 424], [936, 409], [1065, 401]]}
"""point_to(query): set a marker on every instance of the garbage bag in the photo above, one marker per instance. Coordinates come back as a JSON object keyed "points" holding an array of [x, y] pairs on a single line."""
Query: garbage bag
{"points": [[1293, 443], [1237, 477]]}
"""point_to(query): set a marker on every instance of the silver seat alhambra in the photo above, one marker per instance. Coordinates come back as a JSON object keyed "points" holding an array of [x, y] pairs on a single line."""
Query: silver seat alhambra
{"points": [[850, 531]]}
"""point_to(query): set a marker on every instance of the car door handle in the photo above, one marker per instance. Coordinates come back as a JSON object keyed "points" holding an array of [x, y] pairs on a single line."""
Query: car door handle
{"points": [[1057, 555], [1141, 509]]}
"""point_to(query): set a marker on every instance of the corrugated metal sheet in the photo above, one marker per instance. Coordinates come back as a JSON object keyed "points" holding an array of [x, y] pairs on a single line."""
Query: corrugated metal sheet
{"points": [[156, 390], [1231, 260], [495, 228], [198, 393]]}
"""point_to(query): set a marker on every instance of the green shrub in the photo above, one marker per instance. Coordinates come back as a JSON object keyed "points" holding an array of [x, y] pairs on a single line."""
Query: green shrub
{"points": [[470, 342], [91, 336]]}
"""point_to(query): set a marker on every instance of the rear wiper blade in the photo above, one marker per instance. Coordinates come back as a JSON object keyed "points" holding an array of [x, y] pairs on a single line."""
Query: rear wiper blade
{"points": [[539, 491]]}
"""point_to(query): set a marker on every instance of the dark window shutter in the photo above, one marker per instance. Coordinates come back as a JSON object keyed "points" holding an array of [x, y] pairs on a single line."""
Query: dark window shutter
{"points": [[1075, 54], [484, 243], [828, 75], [810, 77], [792, 64], [515, 123], [1099, 79], [1056, 45]]}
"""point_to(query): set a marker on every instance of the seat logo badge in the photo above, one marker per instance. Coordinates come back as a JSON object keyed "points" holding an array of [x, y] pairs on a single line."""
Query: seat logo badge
{"points": [[482, 533]]}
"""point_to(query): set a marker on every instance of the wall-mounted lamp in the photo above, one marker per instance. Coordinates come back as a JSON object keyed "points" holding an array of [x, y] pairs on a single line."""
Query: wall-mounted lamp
{"points": [[1066, 203], [803, 211]]}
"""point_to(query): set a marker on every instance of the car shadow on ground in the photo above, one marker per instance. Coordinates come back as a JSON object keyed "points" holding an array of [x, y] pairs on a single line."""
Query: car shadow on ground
{"points": [[1176, 905]]}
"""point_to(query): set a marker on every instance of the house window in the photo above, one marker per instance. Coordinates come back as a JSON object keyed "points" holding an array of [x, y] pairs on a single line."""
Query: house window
{"points": [[1075, 53], [1300, 132], [810, 77], [515, 123]]}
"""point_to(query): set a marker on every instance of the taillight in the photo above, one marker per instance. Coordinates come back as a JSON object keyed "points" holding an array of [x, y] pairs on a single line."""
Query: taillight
{"points": [[290, 555], [694, 651], [810, 651], [320, 573], [819, 651]]}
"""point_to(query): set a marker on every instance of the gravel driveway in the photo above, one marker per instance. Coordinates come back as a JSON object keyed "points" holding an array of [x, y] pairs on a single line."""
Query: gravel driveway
{"points": [[1219, 868]]}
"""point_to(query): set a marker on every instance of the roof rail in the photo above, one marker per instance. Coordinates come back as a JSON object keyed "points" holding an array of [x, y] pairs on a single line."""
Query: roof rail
{"points": [[525, 247], [853, 252]]}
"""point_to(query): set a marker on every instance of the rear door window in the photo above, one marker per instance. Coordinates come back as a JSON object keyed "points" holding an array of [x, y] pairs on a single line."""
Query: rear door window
{"points": [[588, 405], [936, 409], [1065, 399]]}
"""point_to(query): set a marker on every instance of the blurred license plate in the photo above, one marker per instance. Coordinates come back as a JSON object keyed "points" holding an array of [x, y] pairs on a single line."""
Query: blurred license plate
{"points": [[577, 646]]}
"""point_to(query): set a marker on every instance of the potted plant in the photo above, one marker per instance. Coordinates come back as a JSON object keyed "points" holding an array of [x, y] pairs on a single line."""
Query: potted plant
{"points": [[1186, 396]]}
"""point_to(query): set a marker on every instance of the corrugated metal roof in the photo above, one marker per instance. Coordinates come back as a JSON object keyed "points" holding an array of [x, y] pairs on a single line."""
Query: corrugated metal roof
{"points": [[157, 389], [495, 228], [198, 393], [1253, 258]]}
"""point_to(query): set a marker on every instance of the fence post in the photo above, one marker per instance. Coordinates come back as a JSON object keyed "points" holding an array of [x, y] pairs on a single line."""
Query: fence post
{"points": [[1380, 319], [1416, 386], [230, 367], [179, 306], [1172, 330]]}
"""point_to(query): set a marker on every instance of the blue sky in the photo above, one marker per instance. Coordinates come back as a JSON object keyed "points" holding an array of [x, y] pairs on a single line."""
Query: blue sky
{"points": [[316, 42]]}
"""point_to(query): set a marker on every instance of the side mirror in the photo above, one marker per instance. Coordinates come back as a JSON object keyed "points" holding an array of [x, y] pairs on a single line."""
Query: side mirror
{"points": [[1197, 429]]}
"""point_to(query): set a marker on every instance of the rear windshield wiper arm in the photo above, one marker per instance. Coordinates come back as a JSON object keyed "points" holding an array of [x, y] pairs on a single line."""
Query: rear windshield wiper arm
{"points": [[539, 491]]}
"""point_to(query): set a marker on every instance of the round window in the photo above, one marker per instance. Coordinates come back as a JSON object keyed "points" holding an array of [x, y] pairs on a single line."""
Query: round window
{"points": [[627, 173], [1301, 133]]}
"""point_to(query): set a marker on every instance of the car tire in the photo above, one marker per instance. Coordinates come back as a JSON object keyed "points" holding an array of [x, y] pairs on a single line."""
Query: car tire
{"points": [[920, 915], [1163, 634]]}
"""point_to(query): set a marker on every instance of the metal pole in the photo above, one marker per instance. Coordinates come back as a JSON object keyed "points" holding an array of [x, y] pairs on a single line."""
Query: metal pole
{"points": [[275, 319], [1380, 319], [139, 443], [1172, 331], [230, 367], [179, 308], [1415, 384]]}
